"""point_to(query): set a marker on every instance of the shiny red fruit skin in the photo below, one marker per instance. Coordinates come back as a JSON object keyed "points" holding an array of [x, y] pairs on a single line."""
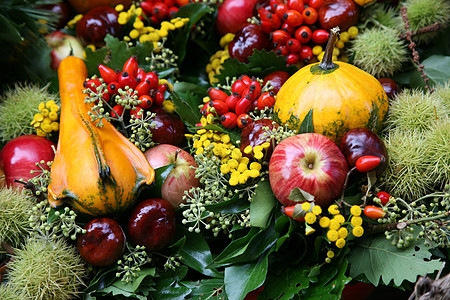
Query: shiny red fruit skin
{"points": [[277, 79], [384, 197], [246, 39], [342, 13], [104, 242], [253, 135], [96, 24], [152, 223], [20, 155], [169, 129], [359, 142], [232, 14], [390, 87]]}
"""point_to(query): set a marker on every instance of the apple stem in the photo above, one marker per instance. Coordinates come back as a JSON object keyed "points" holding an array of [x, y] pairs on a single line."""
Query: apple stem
{"points": [[176, 153]]}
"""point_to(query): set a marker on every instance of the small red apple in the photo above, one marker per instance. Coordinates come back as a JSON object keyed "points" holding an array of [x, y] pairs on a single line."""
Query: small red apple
{"points": [[152, 223], [62, 46], [310, 162], [232, 14], [20, 155], [181, 178], [103, 243]]}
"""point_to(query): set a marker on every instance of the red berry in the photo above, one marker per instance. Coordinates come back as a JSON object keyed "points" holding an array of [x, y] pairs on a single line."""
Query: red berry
{"points": [[220, 106], [134, 112], [293, 18], [108, 74], [228, 120], [266, 100], [217, 94], [280, 37], [309, 15], [113, 87], [367, 163], [131, 66], [152, 79], [320, 36], [280, 9], [117, 111], [125, 79], [232, 100], [243, 106], [296, 5], [303, 34], [305, 53], [384, 197], [316, 4], [146, 101], [292, 58], [293, 45], [142, 88], [374, 212], [238, 86], [92, 84], [243, 120]]}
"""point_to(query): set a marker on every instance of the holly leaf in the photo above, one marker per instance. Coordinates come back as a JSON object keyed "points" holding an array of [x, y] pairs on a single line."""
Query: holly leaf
{"points": [[242, 279], [262, 205], [382, 262]]}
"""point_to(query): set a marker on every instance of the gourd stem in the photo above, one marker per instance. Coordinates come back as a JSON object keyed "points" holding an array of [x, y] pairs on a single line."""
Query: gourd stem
{"points": [[327, 60]]}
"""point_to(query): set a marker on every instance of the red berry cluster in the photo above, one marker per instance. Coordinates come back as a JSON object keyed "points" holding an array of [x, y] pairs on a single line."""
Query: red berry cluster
{"points": [[293, 28], [159, 10], [232, 110], [132, 82]]}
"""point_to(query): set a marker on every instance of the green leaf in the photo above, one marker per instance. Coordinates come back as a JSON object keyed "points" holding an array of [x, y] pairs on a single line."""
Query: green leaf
{"points": [[262, 205], [242, 279], [299, 195], [307, 125], [247, 250], [197, 255], [195, 12], [160, 176], [331, 282], [186, 106], [284, 285], [232, 206], [437, 68], [206, 289], [168, 285], [9, 32], [382, 262], [52, 214]]}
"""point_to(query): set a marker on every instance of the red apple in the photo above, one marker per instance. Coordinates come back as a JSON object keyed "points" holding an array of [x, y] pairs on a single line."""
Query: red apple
{"points": [[20, 155], [310, 162], [103, 243], [62, 46], [181, 178], [232, 14], [152, 223]]}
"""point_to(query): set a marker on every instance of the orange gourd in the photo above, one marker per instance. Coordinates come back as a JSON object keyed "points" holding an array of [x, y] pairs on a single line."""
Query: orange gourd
{"points": [[96, 170], [341, 96]]}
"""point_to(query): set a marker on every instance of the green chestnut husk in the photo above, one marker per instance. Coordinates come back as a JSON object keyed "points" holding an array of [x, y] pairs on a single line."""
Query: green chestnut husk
{"points": [[18, 106], [47, 268], [9, 292], [379, 51], [15, 208]]}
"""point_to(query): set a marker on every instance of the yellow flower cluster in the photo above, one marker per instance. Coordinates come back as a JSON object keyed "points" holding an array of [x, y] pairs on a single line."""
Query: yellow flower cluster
{"points": [[46, 121], [232, 162], [216, 60], [337, 231], [145, 33], [258, 151], [338, 54]]}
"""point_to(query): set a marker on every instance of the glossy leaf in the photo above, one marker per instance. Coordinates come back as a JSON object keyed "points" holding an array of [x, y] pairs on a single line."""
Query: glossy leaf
{"points": [[307, 125], [242, 279], [262, 205], [197, 255], [206, 289], [160, 176], [234, 205], [382, 262], [284, 285]]}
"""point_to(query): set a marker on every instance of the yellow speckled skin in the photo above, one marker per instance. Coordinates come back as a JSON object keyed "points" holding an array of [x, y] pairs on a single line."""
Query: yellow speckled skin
{"points": [[96, 169], [342, 98]]}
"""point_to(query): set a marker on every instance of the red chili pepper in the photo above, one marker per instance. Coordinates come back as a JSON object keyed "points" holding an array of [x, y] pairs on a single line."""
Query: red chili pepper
{"points": [[374, 212], [367, 163], [131, 66], [216, 94], [384, 197], [229, 120], [108, 74]]}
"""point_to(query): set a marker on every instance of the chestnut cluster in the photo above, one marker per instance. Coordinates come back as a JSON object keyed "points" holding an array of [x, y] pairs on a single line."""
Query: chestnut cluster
{"points": [[150, 224]]}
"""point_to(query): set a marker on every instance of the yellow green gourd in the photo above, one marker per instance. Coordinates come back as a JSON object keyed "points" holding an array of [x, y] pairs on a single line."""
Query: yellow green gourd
{"points": [[96, 170], [341, 96]]}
